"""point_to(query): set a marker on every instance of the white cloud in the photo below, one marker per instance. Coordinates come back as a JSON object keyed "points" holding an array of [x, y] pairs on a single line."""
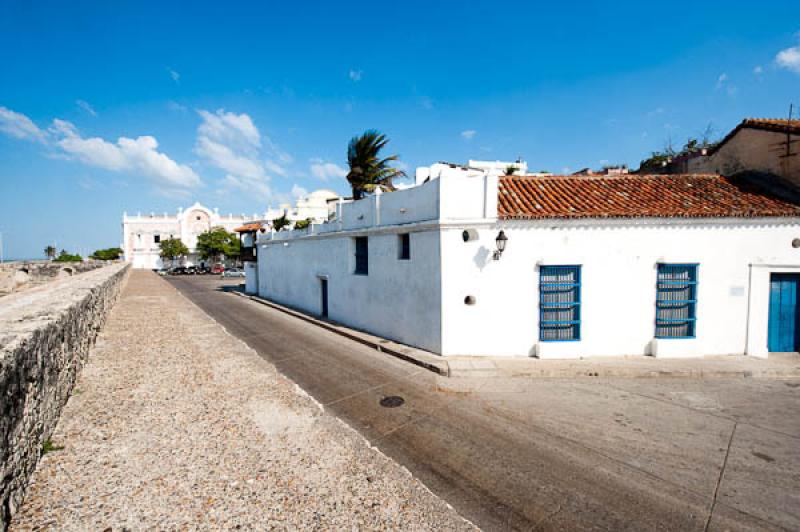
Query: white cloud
{"points": [[225, 158], [139, 154], [355, 75], [176, 77], [229, 127], [325, 171], [789, 59], [233, 143], [275, 168], [172, 105], [468, 134], [86, 107], [758, 70], [299, 192], [721, 80], [19, 126]]}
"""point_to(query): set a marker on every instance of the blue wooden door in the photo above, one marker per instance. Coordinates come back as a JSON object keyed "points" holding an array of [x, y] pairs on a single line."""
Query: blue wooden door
{"points": [[783, 315]]}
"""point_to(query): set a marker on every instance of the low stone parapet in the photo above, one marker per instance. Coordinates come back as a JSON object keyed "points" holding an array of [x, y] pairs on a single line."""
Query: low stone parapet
{"points": [[45, 336], [19, 275]]}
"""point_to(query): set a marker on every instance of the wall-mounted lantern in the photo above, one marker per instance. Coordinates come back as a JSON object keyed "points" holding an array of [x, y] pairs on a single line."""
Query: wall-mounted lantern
{"points": [[500, 241]]}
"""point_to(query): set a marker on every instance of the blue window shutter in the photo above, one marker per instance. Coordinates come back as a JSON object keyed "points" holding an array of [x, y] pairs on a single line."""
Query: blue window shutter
{"points": [[559, 303], [676, 301]]}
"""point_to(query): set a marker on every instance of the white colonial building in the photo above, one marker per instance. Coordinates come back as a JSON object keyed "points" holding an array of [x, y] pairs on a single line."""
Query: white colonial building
{"points": [[141, 234], [472, 263]]}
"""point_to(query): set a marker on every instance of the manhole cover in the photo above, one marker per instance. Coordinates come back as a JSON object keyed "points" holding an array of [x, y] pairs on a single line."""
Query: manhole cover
{"points": [[392, 401]]}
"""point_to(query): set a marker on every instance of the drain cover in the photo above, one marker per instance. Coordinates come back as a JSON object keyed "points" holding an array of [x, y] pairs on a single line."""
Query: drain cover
{"points": [[392, 401]]}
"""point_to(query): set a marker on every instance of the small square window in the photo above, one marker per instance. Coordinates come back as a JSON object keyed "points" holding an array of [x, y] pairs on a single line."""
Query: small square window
{"points": [[157, 238], [404, 246], [362, 255]]}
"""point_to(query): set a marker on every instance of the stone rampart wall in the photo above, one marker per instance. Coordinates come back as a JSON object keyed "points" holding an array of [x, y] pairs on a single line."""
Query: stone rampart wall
{"points": [[19, 275], [45, 336]]}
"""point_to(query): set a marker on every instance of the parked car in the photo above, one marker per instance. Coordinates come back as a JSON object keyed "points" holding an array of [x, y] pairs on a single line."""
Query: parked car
{"points": [[162, 271], [233, 272], [178, 270], [191, 270], [217, 269]]}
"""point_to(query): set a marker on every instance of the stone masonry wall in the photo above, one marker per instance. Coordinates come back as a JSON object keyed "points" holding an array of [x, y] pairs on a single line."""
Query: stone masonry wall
{"points": [[20, 275], [45, 336]]}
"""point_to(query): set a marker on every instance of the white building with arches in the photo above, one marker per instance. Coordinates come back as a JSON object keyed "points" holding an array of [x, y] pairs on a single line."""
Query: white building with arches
{"points": [[141, 234]]}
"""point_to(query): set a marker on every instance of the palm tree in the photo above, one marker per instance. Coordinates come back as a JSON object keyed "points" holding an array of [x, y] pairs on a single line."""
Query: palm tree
{"points": [[50, 252], [368, 170]]}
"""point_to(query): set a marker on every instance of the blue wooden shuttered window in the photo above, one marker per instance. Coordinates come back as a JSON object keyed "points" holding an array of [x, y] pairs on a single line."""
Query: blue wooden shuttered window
{"points": [[559, 303], [676, 301]]}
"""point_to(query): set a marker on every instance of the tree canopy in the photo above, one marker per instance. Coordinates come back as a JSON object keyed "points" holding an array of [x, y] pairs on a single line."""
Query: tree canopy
{"points": [[368, 170], [658, 160], [216, 243], [172, 248], [67, 257], [107, 254], [50, 252], [280, 223], [302, 224]]}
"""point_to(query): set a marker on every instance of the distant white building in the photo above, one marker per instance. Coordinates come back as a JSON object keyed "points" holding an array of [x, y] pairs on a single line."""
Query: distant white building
{"points": [[141, 234], [472, 263]]}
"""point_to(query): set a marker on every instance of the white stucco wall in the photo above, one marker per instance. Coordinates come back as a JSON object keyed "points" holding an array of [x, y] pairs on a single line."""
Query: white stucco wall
{"points": [[398, 299], [618, 285]]}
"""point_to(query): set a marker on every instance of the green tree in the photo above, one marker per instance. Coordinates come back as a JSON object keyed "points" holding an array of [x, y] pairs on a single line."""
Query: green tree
{"points": [[280, 223], [50, 252], [172, 248], [302, 224], [510, 169], [107, 254], [67, 257], [217, 243], [368, 170]]}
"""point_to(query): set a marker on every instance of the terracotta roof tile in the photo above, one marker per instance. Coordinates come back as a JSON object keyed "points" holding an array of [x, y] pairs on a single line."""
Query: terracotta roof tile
{"points": [[249, 227], [636, 196]]}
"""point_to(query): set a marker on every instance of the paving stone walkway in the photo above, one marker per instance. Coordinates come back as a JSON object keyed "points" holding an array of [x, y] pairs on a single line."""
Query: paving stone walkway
{"points": [[175, 424]]}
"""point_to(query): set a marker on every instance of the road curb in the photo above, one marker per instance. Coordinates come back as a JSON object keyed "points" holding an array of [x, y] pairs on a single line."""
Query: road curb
{"points": [[429, 361], [491, 367]]}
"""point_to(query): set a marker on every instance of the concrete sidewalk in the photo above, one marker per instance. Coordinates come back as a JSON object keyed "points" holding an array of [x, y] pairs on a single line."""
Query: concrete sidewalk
{"points": [[778, 365]]}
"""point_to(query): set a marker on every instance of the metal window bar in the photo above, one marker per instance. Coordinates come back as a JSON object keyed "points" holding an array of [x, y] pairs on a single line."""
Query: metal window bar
{"points": [[676, 301], [559, 303]]}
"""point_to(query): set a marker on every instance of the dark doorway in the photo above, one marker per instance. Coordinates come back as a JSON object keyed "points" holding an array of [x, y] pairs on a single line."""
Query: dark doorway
{"points": [[324, 287]]}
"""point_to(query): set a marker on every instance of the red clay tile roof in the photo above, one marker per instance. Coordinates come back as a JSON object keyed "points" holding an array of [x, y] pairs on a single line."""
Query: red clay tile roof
{"points": [[246, 228], [635, 196]]}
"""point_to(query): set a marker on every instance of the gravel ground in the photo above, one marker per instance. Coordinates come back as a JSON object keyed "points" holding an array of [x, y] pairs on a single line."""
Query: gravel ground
{"points": [[175, 424]]}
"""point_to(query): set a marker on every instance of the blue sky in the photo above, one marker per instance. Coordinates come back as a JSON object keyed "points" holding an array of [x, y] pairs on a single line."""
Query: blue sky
{"points": [[143, 106]]}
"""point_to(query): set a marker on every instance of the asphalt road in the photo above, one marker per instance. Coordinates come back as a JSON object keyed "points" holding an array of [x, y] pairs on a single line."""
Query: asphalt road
{"points": [[582, 454]]}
